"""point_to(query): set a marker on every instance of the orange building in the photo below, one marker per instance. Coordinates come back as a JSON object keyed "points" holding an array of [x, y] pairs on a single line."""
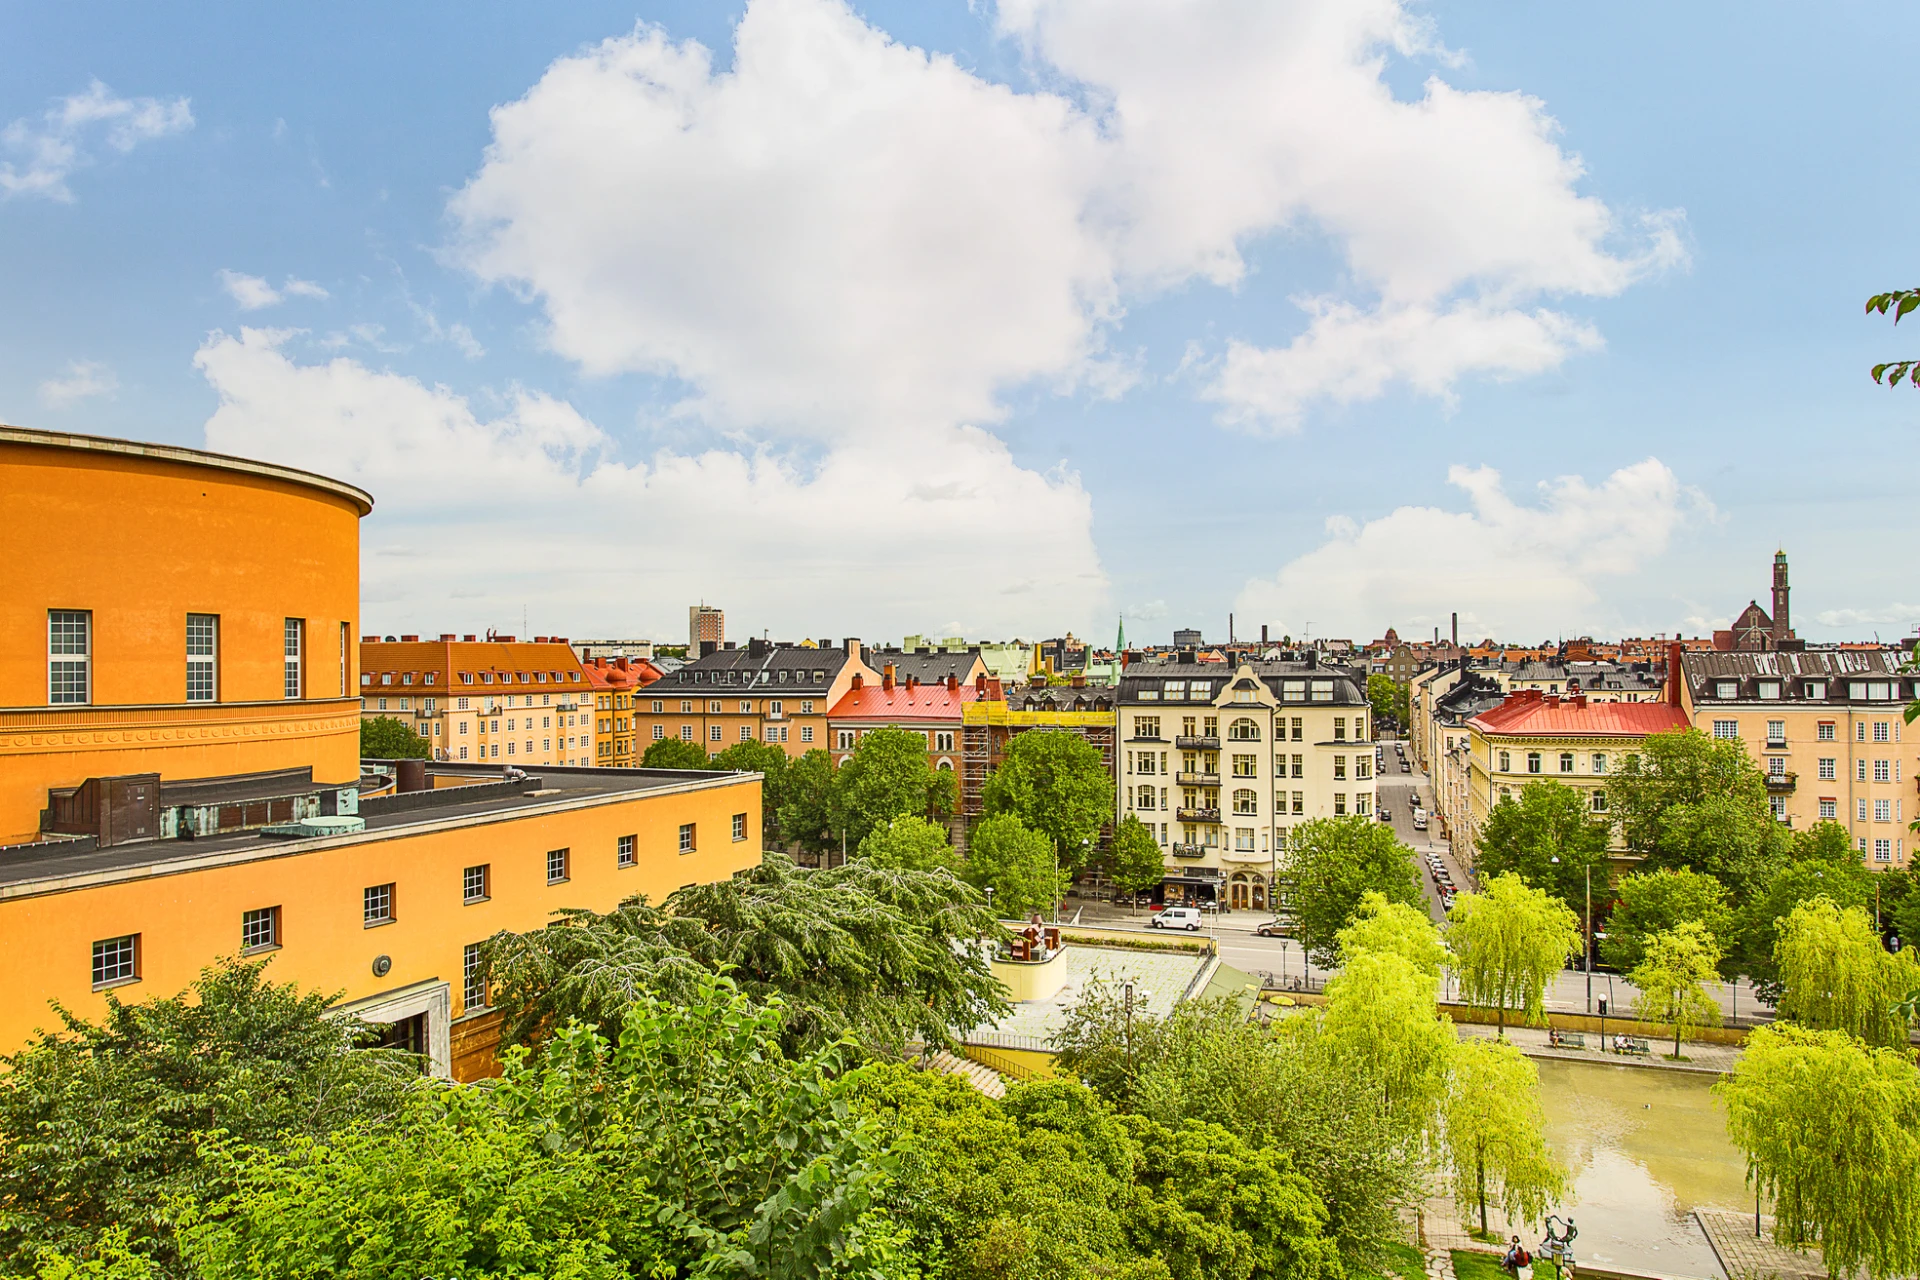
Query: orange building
{"points": [[180, 775], [614, 682], [768, 692], [934, 711], [497, 699]]}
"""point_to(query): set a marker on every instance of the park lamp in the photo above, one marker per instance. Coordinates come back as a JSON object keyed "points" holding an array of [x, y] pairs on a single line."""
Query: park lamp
{"points": [[1587, 958]]}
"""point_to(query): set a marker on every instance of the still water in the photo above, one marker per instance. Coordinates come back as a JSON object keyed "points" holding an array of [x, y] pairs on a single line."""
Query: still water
{"points": [[1645, 1148]]}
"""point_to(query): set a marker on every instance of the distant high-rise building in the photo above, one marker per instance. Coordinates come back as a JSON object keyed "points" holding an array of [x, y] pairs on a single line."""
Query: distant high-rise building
{"points": [[1187, 638], [705, 623]]}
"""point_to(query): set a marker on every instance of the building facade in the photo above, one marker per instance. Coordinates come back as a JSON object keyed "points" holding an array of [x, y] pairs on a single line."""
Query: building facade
{"points": [[498, 700], [705, 626], [998, 713], [767, 692], [933, 710], [1826, 726], [1221, 761], [615, 684]]}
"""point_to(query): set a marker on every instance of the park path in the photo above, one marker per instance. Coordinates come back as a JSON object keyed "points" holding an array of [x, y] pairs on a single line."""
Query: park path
{"points": [[1708, 1059]]}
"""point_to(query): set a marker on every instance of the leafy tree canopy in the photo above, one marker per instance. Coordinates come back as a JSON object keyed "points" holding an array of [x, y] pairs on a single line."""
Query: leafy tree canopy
{"points": [[1388, 698], [1055, 781], [810, 811], [859, 950], [1835, 976], [1496, 1134], [1508, 942], [1549, 838], [1831, 1132], [1335, 862], [102, 1124], [385, 738], [1655, 902], [910, 843], [1380, 1020], [1016, 862], [1821, 862], [1673, 969], [1394, 928], [674, 753], [888, 777], [1134, 862], [771, 763], [1688, 800]]}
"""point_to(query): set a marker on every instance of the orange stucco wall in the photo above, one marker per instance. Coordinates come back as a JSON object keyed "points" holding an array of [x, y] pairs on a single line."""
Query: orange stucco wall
{"points": [[187, 918], [141, 540]]}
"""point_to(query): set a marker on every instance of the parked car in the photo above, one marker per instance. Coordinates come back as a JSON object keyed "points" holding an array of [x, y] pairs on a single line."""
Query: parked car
{"points": [[1270, 929], [1405, 767], [1419, 822], [1386, 814], [1187, 918]]}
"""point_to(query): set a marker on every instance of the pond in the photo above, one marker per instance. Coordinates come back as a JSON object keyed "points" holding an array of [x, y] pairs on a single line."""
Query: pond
{"points": [[1646, 1148]]}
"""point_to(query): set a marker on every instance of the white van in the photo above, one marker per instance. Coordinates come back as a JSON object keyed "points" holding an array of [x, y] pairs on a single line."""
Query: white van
{"points": [[1187, 918], [1419, 819]]}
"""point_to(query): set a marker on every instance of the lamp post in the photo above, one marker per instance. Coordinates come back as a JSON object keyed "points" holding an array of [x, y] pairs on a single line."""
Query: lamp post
{"points": [[1587, 958], [1128, 987], [989, 897]]}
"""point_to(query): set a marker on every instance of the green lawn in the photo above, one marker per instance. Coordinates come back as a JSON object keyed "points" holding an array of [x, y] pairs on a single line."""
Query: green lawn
{"points": [[1401, 1262], [1486, 1266]]}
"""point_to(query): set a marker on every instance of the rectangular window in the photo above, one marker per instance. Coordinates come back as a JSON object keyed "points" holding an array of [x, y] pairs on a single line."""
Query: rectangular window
{"points": [[739, 826], [1299, 802], [69, 657], [1363, 767], [1860, 809], [1299, 729], [1776, 766], [713, 733], [1883, 811], [1599, 762], [1243, 839], [1880, 731], [376, 905], [1883, 771], [1340, 768], [1533, 762], [1566, 762], [475, 883], [294, 648], [1829, 810], [1246, 766], [686, 837], [686, 733], [1883, 851], [1726, 728], [1777, 731], [473, 973], [943, 740], [1363, 804], [344, 632], [557, 860], [843, 739], [1339, 803], [1777, 805], [259, 929], [203, 640], [1506, 762], [1599, 802], [116, 960], [626, 851], [1339, 728]]}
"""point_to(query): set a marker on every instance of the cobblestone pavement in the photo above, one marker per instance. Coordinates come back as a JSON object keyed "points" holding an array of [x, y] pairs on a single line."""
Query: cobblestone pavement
{"points": [[1747, 1258], [1708, 1059]]}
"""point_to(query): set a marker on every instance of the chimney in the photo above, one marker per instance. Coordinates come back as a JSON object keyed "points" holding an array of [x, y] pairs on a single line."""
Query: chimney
{"points": [[1263, 635], [1456, 629], [913, 682], [540, 639], [1674, 674], [1079, 679], [369, 639], [1578, 701], [708, 648], [886, 677], [470, 639], [624, 664], [980, 685], [446, 635], [410, 776], [953, 683], [1229, 628], [857, 682], [410, 639]]}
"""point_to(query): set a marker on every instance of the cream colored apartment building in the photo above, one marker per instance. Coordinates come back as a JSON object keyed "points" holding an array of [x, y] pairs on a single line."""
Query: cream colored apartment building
{"points": [[499, 701], [1220, 762]]}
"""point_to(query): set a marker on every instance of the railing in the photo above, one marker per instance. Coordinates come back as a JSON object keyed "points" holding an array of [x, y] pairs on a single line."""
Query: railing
{"points": [[1198, 815], [1189, 851], [1782, 782], [1198, 779], [1187, 742], [1138, 739]]}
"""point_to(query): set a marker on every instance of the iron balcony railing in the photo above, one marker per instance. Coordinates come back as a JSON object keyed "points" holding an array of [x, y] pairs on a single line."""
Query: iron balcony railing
{"points": [[1198, 779], [1198, 815], [1187, 742]]}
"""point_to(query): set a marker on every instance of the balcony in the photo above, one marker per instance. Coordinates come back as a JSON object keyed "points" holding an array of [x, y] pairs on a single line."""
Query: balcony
{"points": [[1190, 851], [1138, 738], [1198, 815], [1197, 779], [1188, 743], [1781, 783]]}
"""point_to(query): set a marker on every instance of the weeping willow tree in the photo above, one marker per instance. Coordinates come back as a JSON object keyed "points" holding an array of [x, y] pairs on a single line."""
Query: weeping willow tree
{"points": [[1671, 977], [1831, 1130], [1495, 1136], [1835, 976], [883, 954], [1508, 941]]}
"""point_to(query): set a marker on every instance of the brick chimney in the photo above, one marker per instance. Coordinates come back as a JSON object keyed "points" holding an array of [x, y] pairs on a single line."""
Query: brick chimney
{"points": [[886, 677], [410, 639], [857, 682], [980, 685], [913, 682], [1674, 675], [953, 683]]}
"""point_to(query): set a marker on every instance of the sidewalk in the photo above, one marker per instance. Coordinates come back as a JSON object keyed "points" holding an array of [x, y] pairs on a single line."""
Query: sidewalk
{"points": [[1748, 1258], [1705, 1059]]}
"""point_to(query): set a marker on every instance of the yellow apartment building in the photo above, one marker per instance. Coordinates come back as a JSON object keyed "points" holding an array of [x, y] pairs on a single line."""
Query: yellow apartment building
{"points": [[496, 699], [776, 693]]}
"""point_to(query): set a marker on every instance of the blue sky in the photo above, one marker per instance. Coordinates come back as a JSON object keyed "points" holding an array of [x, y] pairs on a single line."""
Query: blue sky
{"points": [[855, 342]]}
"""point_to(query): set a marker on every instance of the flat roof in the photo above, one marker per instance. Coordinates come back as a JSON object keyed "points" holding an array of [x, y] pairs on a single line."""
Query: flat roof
{"points": [[1160, 980], [186, 457], [562, 788]]}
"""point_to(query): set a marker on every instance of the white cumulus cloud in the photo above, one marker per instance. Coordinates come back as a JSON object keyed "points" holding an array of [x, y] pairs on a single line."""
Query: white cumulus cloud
{"points": [[1895, 615], [484, 511], [253, 293], [1511, 569], [83, 380], [849, 237], [43, 153]]}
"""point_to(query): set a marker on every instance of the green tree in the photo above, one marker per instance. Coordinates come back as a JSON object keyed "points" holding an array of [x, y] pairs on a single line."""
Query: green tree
{"points": [[879, 954], [1016, 862], [1496, 1134], [385, 738], [1508, 942], [675, 753], [1831, 1131], [598, 1161], [1687, 800], [1134, 862], [1900, 302], [1395, 928], [910, 843], [1670, 976], [1389, 700], [1058, 785], [770, 762], [1835, 976], [1380, 1018], [888, 777], [810, 803], [1549, 838], [1656, 902], [1820, 862], [104, 1124], [1334, 862]]}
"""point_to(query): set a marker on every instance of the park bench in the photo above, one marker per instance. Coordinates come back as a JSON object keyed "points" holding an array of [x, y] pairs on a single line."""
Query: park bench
{"points": [[1633, 1046], [1566, 1039]]}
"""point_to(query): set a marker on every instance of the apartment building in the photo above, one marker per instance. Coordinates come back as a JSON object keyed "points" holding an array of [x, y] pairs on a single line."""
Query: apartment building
{"points": [[771, 692], [998, 713], [180, 772], [498, 699], [1531, 736], [705, 626], [614, 686], [1826, 726], [933, 710], [1221, 760]]}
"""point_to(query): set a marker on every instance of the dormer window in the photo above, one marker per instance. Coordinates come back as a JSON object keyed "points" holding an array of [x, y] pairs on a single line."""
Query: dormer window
{"points": [[1726, 689], [386, 677], [466, 677], [429, 677], [1816, 689], [1769, 688], [406, 677]]}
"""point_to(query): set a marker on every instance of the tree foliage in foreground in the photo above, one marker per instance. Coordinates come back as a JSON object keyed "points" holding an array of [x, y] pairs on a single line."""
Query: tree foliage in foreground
{"points": [[1831, 1132], [674, 753], [692, 1146], [910, 843], [770, 762], [1688, 800], [1335, 862], [1656, 902], [857, 950], [1549, 838], [1508, 942], [1135, 863], [888, 776], [385, 738], [1671, 977], [1900, 302], [1016, 862], [102, 1124]]}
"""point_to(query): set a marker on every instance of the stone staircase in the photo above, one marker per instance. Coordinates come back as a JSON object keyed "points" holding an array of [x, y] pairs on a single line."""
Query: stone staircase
{"points": [[985, 1079]]}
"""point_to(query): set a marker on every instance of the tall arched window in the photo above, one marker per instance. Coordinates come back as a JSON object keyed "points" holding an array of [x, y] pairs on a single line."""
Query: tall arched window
{"points": [[1145, 798], [1244, 730], [1246, 800]]}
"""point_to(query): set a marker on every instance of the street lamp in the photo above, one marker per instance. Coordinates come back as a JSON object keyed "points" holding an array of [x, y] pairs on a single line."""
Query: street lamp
{"points": [[1588, 958], [989, 897]]}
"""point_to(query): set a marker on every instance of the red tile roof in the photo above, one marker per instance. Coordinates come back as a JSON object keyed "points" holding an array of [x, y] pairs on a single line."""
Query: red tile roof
{"points": [[1529, 712], [919, 702]]}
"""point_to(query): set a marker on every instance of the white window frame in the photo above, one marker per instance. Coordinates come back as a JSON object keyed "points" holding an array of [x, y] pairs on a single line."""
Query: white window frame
{"points": [[203, 657], [293, 648], [65, 659]]}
